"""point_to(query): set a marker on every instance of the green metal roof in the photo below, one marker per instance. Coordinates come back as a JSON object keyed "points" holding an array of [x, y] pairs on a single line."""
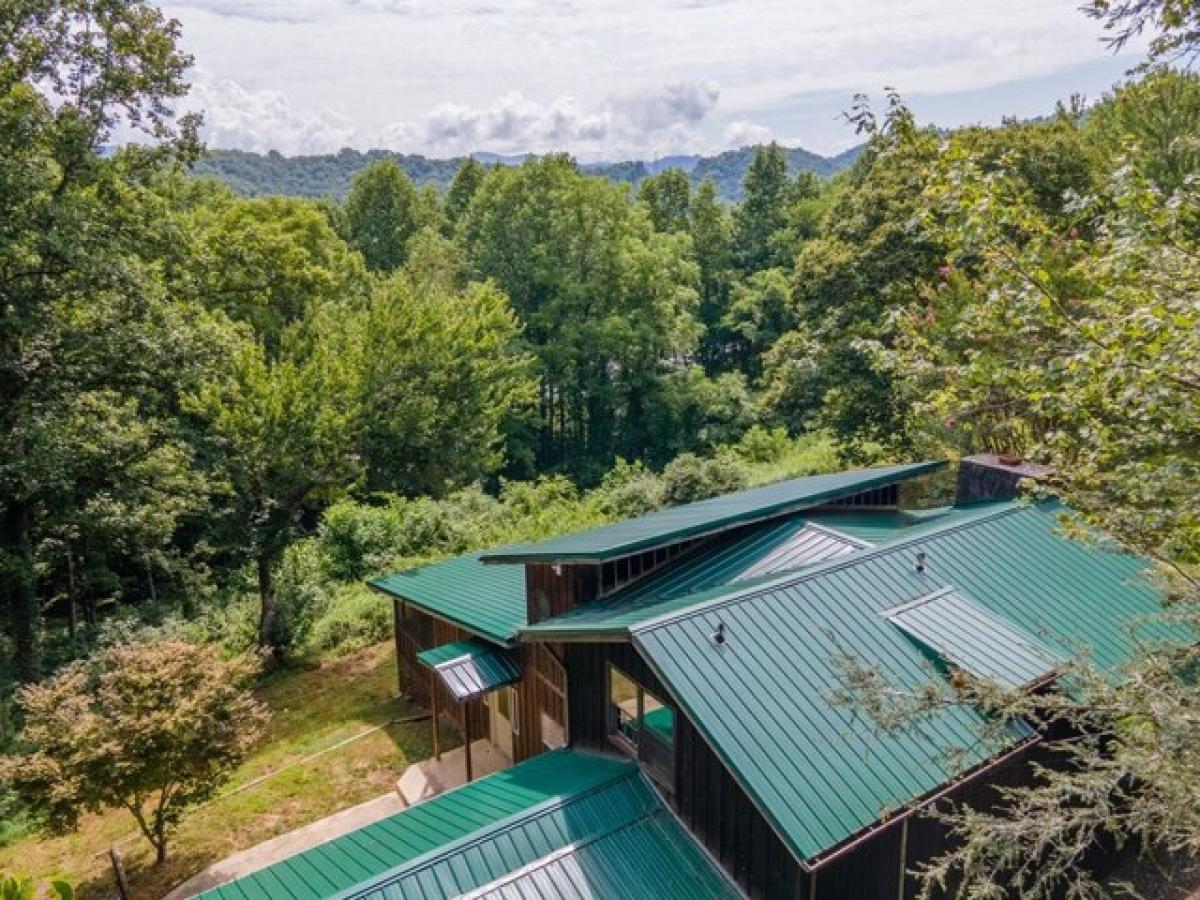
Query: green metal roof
{"points": [[564, 822], [739, 557], [616, 840], [471, 667], [679, 523], [764, 698], [486, 600], [975, 640]]}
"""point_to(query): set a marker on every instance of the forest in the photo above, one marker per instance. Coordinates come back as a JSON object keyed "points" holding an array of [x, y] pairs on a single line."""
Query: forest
{"points": [[331, 175], [220, 413]]}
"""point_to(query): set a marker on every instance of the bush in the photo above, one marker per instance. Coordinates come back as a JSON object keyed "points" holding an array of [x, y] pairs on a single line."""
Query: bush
{"points": [[764, 445], [302, 594], [356, 538], [628, 490], [689, 477], [355, 617]]}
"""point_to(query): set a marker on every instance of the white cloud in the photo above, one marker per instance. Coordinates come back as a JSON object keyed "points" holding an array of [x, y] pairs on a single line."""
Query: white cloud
{"points": [[265, 120], [595, 77], [742, 134], [513, 123]]}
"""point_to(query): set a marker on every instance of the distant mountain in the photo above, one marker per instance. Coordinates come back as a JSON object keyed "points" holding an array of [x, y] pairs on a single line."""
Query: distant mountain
{"points": [[257, 174]]}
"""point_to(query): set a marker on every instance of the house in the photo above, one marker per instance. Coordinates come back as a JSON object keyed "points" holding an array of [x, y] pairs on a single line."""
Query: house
{"points": [[667, 690]]}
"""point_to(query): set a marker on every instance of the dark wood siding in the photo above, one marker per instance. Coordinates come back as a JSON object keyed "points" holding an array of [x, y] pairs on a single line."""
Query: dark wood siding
{"points": [[417, 631], [554, 590], [587, 674], [713, 805]]}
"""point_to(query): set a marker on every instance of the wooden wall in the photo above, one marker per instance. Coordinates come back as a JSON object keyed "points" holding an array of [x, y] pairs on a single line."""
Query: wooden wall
{"points": [[417, 631], [551, 593]]}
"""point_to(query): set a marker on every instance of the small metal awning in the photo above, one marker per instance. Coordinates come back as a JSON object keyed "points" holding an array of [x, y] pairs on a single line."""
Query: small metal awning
{"points": [[471, 667], [976, 640]]}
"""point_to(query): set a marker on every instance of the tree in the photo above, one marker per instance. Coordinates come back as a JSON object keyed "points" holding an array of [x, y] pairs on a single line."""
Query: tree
{"points": [[153, 728], [466, 182], [763, 210], [605, 303], [668, 197], [1176, 24], [712, 243], [761, 311], [382, 211], [1073, 336], [265, 262], [72, 227], [440, 375], [282, 433]]}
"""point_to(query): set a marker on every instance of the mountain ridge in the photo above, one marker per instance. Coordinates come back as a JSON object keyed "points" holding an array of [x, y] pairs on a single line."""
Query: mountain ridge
{"points": [[331, 174]]}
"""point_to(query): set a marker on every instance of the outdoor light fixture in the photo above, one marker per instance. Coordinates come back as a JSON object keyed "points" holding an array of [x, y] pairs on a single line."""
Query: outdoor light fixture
{"points": [[718, 636], [920, 564]]}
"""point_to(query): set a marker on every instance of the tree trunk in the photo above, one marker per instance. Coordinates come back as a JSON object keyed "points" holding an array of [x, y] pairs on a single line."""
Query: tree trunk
{"points": [[160, 848], [266, 594], [72, 596], [16, 574]]}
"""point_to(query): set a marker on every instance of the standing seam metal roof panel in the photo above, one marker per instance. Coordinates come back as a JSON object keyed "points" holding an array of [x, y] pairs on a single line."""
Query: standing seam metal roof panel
{"points": [[486, 600], [615, 840], [344, 862], [818, 769], [710, 569], [471, 667], [678, 523], [965, 635]]}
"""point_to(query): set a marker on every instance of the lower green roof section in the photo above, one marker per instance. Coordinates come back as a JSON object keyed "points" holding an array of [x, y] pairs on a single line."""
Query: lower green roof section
{"points": [[471, 667], [486, 600], [564, 823]]}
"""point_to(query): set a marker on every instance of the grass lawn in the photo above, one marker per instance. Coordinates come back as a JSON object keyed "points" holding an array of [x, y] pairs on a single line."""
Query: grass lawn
{"points": [[312, 709]]}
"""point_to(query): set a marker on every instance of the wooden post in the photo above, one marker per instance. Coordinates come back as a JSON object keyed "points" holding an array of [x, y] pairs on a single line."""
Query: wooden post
{"points": [[467, 737], [903, 856], [398, 624], [437, 748], [119, 873]]}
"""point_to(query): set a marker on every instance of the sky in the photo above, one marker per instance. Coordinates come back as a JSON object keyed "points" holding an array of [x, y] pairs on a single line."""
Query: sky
{"points": [[611, 80]]}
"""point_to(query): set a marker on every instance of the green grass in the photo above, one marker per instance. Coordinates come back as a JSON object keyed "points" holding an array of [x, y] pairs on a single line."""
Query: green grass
{"points": [[312, 710]]}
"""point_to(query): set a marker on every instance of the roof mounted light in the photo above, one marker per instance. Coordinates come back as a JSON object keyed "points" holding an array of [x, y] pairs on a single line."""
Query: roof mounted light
{"points": [[718, 636], [919, 565]]}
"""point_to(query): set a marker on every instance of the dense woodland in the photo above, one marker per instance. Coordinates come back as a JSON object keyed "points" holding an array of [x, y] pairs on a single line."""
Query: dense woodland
{"points": [[332, 174], [218, 413]]}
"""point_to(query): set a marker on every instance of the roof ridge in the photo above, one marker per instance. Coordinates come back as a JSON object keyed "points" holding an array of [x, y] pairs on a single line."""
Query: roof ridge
{"points": [[789, 578], [480, 834], [566, 850]]}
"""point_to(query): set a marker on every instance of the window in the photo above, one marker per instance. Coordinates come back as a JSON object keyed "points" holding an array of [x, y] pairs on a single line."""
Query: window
{"points": [[641, 725]]}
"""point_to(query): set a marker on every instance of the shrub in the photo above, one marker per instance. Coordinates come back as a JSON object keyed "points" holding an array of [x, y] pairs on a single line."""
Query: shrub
{"points": [[629, 489], [689, 477], [355, 617], [764, 445]]}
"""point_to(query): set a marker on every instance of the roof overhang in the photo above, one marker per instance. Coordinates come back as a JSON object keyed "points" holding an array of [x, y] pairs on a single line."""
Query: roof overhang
{"points": [[675, 524], [471, 668]]}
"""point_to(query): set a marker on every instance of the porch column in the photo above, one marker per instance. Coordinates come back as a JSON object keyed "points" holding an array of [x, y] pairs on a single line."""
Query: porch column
{"points": [[433, 716], [466, 713]]}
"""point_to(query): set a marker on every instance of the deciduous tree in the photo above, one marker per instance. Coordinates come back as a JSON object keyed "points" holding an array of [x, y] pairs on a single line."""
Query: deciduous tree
{"points": [[153, 728]]}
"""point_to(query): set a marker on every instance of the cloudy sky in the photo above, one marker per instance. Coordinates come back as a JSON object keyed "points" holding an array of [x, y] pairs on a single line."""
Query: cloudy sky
{"points": [[619, 80]]}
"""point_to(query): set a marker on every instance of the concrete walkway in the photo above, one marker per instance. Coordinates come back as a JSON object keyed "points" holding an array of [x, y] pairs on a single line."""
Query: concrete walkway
{"points": [[430, 777], [420, 781], [272, 851]]}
